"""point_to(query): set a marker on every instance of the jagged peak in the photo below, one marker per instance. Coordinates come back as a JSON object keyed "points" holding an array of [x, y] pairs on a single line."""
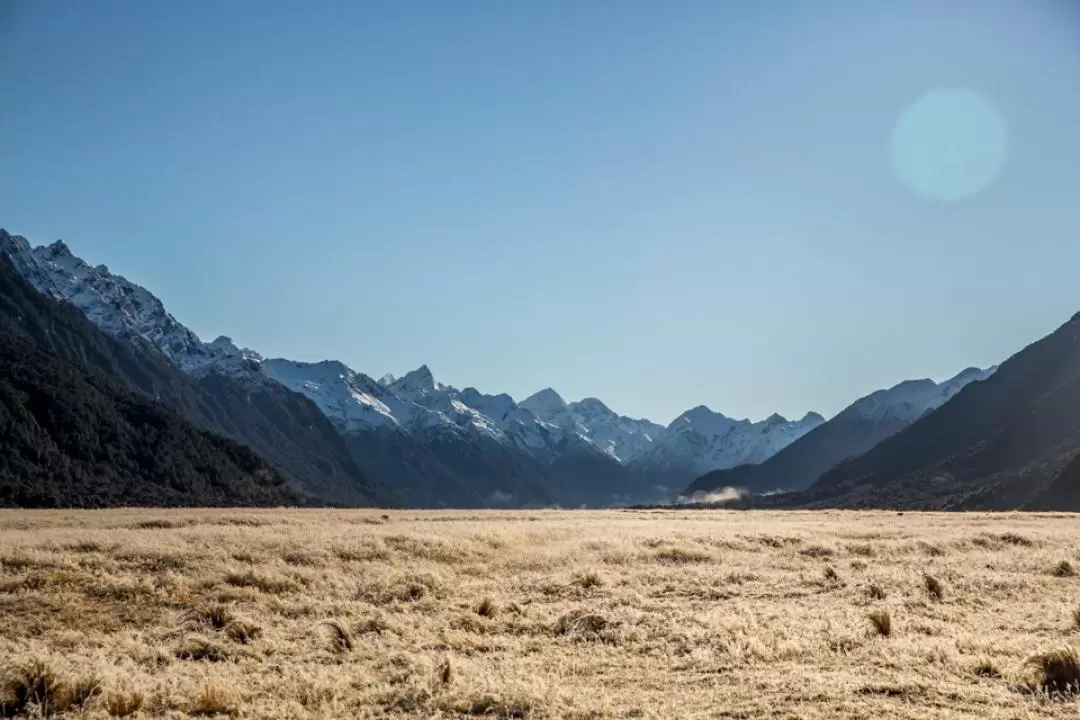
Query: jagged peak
{"points": [[13, 243], [547, 395], [703, 411], [545, 404], [595, 404], [813, 417], [387, 379], [331, 367], [59, 249], [420, 377], [776, 419]]}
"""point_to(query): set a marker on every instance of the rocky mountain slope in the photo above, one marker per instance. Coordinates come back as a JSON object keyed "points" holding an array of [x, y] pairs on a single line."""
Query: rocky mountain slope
{"points": [[856, 429], [74, 435]]}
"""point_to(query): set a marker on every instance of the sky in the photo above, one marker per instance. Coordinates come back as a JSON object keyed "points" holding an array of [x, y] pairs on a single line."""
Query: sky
{"points": [[758, 207]]}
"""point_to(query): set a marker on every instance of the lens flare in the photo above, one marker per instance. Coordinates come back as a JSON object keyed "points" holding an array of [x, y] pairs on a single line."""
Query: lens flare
{"points": [[949, 145]]}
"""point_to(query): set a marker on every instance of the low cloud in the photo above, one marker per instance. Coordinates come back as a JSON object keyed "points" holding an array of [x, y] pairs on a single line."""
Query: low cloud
{"points": [[725, 496]]}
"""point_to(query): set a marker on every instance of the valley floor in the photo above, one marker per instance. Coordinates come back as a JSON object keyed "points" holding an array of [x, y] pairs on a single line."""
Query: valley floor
{"points": [[619, 614]]}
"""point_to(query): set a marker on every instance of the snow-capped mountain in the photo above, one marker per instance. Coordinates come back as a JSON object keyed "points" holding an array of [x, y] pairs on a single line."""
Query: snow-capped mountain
{"points": [[853, 431], [700, 440], [621, 437], [415, 403], [119, 307], [414, 412], [908, 401]]}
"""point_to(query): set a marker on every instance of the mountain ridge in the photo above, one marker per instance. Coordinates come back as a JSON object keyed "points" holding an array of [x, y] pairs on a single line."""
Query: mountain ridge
{"points": [[419, 433], [74, 434], [854, 430]]}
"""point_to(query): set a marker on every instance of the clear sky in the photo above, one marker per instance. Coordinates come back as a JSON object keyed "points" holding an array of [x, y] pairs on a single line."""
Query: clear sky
{"points": [[755, 206]]}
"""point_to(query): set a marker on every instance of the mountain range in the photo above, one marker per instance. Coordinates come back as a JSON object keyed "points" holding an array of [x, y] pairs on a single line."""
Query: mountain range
{"points": [[333, 434], [410, 439]]}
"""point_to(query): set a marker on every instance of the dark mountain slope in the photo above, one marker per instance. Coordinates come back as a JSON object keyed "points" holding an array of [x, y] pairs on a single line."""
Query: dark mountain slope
{"points": [[283, 426], [444, 471], [73, 436], [1010, 441]]}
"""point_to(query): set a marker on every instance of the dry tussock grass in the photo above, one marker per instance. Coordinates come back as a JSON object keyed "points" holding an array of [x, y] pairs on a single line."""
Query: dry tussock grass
{"points": [[650, 614]]}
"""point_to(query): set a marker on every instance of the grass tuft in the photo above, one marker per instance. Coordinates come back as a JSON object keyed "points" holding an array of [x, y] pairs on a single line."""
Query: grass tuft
{"points": [[931, 549], [934, 587], [377, 625], [487, 608], [446, 672], [264, 583], [1056, 672], [122, 703], [341, 639], [819, 552], [36, 684], [875, 591], [581, 624], [1011, 538], [985, 668], [881, 622], [197, 648], [217, 616], [681, 556], [590, 580], [214, 699], [491, 705], [1063, 569], [242, 631]]}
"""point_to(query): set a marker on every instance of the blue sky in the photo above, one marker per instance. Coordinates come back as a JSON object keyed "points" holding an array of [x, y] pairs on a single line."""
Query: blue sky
{"points": [[658, 204]]}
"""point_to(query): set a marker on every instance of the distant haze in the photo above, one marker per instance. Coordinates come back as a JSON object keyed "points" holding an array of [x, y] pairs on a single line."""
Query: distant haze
{"points": [[758, 207]]}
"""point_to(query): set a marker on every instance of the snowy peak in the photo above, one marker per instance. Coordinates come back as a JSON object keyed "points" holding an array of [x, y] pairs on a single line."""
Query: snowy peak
{"points": [[965, 377], [496, 407], [909, 400], [59, 251], [700, 440], [119, 307], [703, 419], [545, 404], [594, 422], [351, 400], [519, 424], [593, 406], [223, 349], [417, 382]]}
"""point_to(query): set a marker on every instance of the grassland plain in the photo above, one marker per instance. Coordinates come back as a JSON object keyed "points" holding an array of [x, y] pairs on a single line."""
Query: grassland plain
{"points": [[551, 614]]}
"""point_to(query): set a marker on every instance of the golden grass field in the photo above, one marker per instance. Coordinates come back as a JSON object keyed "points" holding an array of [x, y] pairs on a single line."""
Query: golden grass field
{"points": [[549, 614]]}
